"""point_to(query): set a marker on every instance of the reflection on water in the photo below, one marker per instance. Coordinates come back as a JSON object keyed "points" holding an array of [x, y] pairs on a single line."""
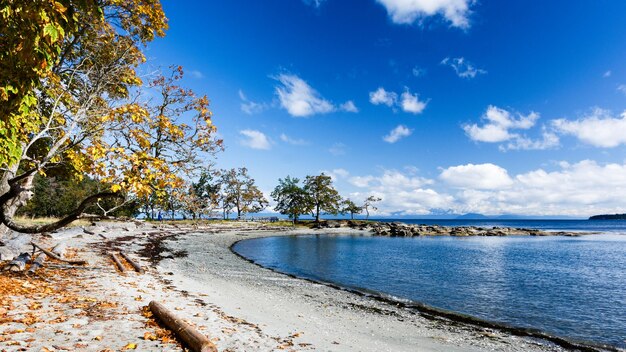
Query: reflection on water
{"points": [[569, 286]]}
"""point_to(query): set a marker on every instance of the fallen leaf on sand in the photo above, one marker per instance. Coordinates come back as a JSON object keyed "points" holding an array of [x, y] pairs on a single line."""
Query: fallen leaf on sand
{"points": [[130, 346], [98, 338], [149, 336]]}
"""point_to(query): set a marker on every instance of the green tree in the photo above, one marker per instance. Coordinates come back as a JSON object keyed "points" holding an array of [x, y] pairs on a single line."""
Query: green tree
{"points": [[68, 95], [203, 194], [291, 199], [351, 208], [241, 192], [369, 204], [324, 197], [57, 194]]}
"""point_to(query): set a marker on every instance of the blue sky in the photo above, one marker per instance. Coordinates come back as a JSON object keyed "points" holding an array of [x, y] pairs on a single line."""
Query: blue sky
{"points": [[494, 107]]}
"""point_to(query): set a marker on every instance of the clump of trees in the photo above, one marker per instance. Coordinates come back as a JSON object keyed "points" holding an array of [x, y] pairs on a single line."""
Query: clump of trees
{"points": [[316, 196], [72, 102], [231, 190]]}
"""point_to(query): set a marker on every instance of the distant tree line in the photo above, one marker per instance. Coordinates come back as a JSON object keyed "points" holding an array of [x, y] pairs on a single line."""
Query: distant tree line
{"points": [[229, 191]]}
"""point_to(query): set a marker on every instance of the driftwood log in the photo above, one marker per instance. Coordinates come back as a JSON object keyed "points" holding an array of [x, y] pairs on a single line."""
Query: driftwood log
{"points": [[39, 260], [37, 263], [117, 261], [190, 336], [57, 257], [60, 249], [18, 263], [135, 265]]}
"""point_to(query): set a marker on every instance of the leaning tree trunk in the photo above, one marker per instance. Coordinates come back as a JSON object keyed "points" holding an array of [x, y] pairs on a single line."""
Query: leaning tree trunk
{"points": [[14, 204]]}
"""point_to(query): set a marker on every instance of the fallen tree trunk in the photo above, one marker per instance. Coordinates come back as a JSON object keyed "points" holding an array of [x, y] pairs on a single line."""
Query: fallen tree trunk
{"points": [[190, 336], [135, 265], [59, 249], [18, 263], [55, 256], [117, 262], [37, 263]]}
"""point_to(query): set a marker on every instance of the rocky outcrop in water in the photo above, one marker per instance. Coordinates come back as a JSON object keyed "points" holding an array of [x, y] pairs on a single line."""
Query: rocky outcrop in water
{"points": [[400, 229]]}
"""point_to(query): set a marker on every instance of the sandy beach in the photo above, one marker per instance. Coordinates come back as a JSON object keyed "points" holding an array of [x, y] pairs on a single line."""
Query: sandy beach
{"points": [[237, 304]]}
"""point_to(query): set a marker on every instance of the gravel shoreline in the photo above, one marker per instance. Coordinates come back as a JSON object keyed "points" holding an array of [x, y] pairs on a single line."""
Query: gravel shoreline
{"points": [[321, 317], [239, 305]]}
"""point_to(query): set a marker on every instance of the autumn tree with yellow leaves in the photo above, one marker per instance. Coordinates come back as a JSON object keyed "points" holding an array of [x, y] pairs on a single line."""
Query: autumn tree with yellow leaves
{"points": [[71, 98]]}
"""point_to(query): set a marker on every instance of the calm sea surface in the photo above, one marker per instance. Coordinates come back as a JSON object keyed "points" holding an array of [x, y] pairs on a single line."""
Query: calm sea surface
{"points": [[569, 286]]}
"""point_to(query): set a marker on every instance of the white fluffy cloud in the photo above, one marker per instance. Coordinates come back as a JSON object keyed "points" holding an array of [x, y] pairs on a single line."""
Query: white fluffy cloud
{"points": [[497, 126], [481, 176], [397, 133], [299, 98], [255, 139], [600, 128], [408, 11], [408, 102], [462, 67], [293, 141], [622, 88], [381, 96], [500, 125], [349, 106], [411, 103]]}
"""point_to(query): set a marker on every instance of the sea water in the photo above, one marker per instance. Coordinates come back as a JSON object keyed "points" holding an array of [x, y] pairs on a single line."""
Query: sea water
{"points": [[574, 287]]}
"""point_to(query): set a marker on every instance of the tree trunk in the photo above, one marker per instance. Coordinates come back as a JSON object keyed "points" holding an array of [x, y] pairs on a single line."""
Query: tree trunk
{"points": [[59, 250], [317, 213], [138, 268], [37, 263], [57, 257], [190, 336], [18, 263], [14, 204], [117, 262]]}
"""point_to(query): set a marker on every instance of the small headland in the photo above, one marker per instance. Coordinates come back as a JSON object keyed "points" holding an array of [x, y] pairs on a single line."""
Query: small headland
{"points": [[400, 229]]}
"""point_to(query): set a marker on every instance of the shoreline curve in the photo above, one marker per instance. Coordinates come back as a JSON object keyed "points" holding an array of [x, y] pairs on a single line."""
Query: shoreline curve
{"points": [[431, 312]]}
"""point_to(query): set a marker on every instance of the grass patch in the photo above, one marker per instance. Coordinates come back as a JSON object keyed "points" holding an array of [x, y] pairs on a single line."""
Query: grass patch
{"points": [[27, 221]]}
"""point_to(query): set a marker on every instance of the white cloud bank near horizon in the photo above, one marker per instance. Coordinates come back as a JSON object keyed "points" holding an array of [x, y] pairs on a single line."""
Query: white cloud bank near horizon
{"points": [[579, 189]]}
